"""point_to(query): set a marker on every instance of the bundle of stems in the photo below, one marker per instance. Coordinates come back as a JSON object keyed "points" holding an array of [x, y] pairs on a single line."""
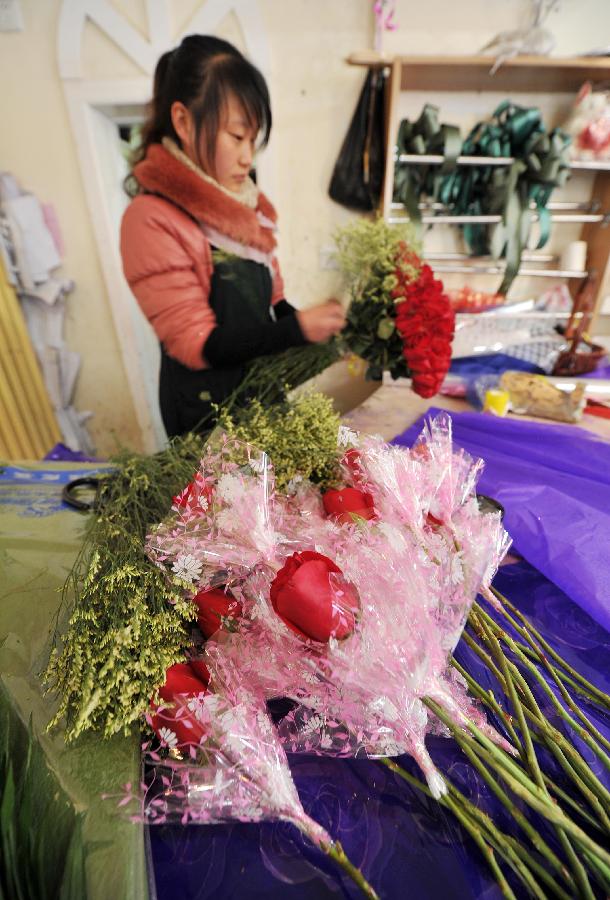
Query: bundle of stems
{"points": [[569, 857], [126, 624], [271, 378]]}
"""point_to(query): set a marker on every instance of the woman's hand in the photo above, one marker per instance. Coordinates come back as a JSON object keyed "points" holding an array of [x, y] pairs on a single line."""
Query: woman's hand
{"points": [[320, 323]]}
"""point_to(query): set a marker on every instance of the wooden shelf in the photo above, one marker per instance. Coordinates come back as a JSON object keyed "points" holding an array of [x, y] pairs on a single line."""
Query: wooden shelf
{"points": [[528, 74], [433, 159]]}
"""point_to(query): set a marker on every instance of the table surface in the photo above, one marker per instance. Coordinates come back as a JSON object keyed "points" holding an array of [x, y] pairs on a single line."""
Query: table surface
{"points": [[393, 407], [392, 832]]}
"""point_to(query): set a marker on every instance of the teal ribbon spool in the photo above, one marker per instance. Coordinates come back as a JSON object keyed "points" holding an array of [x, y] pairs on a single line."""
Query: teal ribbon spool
{"points": [[513, 192], [424, 136]]}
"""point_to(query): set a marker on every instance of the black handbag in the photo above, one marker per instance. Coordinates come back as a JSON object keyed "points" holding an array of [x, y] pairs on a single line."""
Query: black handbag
{"points": [[358, 174]]}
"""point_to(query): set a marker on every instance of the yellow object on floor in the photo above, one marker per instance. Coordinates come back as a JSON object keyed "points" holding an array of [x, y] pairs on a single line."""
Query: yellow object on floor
{"points": [[28, 427]]}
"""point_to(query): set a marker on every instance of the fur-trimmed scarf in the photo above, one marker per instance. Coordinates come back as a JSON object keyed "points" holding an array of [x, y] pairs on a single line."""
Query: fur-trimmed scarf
{"points": [[227, 222]]}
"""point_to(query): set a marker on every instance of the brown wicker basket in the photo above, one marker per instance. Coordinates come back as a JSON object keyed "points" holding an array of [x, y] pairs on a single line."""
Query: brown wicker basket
{"points": [[583, 355], [579, 361]]}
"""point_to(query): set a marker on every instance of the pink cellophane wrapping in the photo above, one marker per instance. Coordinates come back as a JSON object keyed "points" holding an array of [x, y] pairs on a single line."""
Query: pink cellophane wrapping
{"points": [[417, 568], [241, 772]]}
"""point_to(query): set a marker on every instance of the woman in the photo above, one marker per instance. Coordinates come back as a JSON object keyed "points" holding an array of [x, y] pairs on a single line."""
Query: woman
{"points": [[197, 240]]}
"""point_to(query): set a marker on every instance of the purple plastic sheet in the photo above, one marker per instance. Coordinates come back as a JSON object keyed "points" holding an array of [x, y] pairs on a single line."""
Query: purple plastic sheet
{"points": [[407, 844], [554, 482], [602, 370]]}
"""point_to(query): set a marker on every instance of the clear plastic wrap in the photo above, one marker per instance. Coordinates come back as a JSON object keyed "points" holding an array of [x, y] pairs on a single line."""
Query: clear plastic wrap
{"points": [[352, 618]]}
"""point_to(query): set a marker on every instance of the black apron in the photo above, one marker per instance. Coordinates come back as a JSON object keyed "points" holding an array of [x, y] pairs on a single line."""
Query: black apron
{"points": [[240, 291]]}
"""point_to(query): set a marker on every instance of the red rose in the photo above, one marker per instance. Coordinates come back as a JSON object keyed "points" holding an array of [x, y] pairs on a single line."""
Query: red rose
{"points": [[348, 502], [200, 669], [311, 595], [351, 460], [181, 679], [214, 604], [426, 385], [195, 497], [179, 720]]}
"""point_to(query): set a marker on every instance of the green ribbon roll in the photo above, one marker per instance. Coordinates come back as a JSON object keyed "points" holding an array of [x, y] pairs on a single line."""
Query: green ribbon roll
{"points": [[540, 165], [424, 136]]}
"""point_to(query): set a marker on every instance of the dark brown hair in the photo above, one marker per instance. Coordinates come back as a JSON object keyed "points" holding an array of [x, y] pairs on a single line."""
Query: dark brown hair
{"points": [[201, 73]]}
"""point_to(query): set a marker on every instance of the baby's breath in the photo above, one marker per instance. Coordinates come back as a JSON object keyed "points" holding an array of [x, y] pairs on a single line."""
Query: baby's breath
{"points": [[300, 437]]}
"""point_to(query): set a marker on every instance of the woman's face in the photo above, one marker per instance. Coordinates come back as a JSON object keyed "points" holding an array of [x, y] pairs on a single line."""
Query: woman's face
{"points": [[235, 143], [235, 146]]}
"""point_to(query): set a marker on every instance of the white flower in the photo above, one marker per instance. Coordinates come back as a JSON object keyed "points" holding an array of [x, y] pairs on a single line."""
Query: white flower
{"points": [[230, 488], [346, 436], [313, 724], [230, 720], [325, 740], [187, 566], [197, 707], [219, 783], [457, 567], [393, 536], [384, 707], [260, 464], [292, 486], [235, 742], [168, 737], [262, 720], [251, 812], [388, 747], [227, 521]]}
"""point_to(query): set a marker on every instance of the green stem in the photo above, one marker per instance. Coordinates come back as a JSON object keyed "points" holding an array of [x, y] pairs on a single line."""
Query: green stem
{"points": [[519, 782], [485, 849], [580, 765], [490, 701], [591, 789], [547, 809], [554, 742], [585, 790], [582, 733], [568, 800], [535, 866], [336, 852], [589, 733], [564, 677], [600, 696], [577, 867], [509, 848], [485, 657], [467, 745], [575, 709], [507, 845]]}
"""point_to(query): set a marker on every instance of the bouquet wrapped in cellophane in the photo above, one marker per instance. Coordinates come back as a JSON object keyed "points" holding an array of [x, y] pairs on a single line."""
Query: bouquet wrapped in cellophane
{"points": [[348, 603]]}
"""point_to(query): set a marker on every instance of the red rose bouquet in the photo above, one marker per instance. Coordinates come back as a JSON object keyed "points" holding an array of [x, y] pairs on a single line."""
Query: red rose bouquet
{"points": [[348, 601], [400, 320]]}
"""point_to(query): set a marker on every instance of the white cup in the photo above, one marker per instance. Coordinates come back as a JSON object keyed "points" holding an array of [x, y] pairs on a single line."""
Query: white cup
{"points": [[574, 257]]}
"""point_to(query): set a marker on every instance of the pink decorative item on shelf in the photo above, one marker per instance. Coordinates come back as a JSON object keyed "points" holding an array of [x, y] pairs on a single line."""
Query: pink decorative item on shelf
{"points": [[384, 11], [589, 124]]}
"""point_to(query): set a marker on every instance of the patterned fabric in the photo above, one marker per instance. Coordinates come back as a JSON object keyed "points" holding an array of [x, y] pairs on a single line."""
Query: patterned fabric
{"points": [[542, 353]]}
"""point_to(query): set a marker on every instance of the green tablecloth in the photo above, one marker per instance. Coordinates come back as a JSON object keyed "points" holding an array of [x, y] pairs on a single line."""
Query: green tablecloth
{"points": [[39, 540]]}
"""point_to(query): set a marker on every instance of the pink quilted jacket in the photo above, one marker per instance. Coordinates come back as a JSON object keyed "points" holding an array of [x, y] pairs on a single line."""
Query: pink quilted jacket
{"points": [[167, 259]]}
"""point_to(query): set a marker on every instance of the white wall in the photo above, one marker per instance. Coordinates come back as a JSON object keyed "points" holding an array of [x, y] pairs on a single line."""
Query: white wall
{"points": [[313, 93]]}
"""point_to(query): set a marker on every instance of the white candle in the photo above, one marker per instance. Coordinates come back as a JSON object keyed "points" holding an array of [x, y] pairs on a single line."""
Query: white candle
{"points": [[574, 257]]}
